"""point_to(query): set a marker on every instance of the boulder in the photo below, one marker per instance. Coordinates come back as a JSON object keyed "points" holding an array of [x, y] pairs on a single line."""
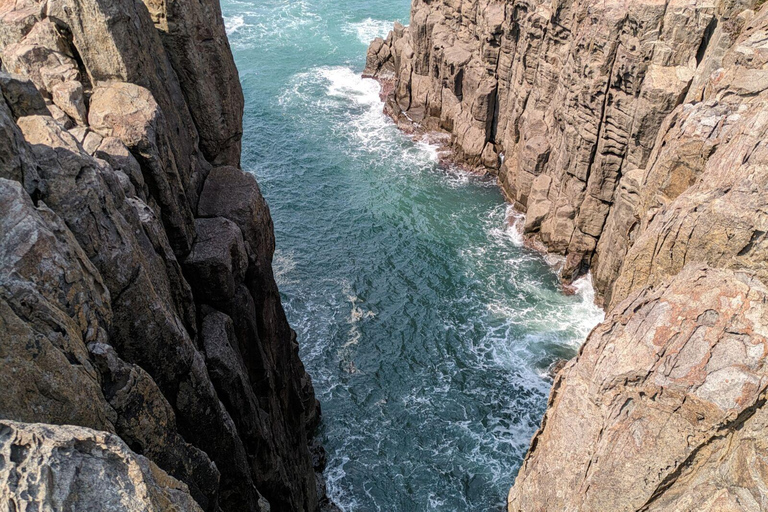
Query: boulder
{"points": [[130, 113], [22, 96], [75, 468], [69, 97], [233, 194]]}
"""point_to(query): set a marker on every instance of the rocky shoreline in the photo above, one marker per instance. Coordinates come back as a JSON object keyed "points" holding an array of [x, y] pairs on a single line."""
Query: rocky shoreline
{"points": [[145, 353], [632, 135]]}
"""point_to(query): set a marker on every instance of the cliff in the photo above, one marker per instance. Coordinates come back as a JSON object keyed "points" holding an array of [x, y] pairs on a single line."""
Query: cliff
{"points": [[633, 136], [143, 338]]}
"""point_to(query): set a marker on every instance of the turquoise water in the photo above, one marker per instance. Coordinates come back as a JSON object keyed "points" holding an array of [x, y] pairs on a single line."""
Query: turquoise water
{"points": [[426, 326]]}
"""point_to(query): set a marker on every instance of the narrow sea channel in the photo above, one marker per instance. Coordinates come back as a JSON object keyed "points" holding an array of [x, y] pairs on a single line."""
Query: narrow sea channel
{"points": [[425, 323]]}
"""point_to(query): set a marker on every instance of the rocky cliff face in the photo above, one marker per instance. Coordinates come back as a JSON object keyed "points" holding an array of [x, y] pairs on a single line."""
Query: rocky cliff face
{"points": [[633, 136], [137, 301]]}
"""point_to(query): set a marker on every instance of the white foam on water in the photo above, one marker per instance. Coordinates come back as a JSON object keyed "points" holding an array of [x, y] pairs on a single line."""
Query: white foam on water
{"points": [[511, 229], [587, 314], [434, 501], [355, 104], [369, 29], [233, 23], [345, 83], [251, 24], [431, 149], [283, 264], [334, 476], [356, 315]]}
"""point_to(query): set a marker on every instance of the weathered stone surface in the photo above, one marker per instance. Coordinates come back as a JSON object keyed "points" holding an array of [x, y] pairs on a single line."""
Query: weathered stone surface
{"points": [[235, 195], [218, 260], [130, 113], [68, 96], [663, 397], [117, 41], [147, 423], [262, 333], [16, 20], [52, 302], [659, 396], [103, 323], [575, 91], [700, 198], [74, 468], [16, 161], [195, 38], [117, 155]]}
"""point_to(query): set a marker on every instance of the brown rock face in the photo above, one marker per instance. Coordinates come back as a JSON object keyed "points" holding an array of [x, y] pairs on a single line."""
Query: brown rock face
{"points": [[569, 95], [124, 306], [633, 136]]}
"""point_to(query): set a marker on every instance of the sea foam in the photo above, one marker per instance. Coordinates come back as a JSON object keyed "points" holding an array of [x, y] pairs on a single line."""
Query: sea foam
{"points": [[369, 29]]}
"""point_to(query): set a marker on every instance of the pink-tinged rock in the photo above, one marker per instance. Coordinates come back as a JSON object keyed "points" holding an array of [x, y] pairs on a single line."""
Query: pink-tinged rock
{"points": [[665, 392]]}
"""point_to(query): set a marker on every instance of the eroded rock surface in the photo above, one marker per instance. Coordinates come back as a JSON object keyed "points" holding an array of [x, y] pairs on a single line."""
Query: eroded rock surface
{"points": [[559, 99], [633, 136], [125, 306], [664, 395], [51, 467]]}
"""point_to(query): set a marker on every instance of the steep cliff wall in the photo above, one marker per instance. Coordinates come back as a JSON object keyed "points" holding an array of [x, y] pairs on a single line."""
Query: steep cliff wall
{"points": [[559, 98], [633, 135], [136, 289]]}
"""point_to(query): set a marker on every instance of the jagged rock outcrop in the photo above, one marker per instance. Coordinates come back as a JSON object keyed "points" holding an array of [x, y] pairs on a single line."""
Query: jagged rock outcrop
{"points": [[633, 136], [136, 289], [75, 468], [664, 407]]}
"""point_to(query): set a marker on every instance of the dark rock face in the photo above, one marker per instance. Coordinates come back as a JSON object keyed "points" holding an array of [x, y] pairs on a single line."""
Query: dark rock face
{"points": [[136, 287]]}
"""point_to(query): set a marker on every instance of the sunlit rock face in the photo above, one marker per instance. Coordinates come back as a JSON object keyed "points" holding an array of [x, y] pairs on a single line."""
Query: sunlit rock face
{"points": [[633, 136], [560, 99], [137, 295]]}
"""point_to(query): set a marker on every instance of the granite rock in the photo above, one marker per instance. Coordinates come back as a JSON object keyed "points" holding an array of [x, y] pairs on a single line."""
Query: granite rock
{"points": [[58, 467], [118, 113]]}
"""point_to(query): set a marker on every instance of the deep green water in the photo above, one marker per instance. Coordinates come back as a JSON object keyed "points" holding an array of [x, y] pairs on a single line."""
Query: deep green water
{"points": [[425, 324]]}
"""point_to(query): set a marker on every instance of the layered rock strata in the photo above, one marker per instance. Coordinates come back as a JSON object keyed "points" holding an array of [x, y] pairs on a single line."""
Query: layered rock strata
{"points": [[633, 136], [142, 334]]}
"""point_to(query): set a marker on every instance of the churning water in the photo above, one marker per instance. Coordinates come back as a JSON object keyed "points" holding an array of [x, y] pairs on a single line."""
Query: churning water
{"points": [[426, 326]]}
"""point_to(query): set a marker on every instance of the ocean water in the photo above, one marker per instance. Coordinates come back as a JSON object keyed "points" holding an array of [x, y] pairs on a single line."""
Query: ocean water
{"points": [[425, 323]]}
